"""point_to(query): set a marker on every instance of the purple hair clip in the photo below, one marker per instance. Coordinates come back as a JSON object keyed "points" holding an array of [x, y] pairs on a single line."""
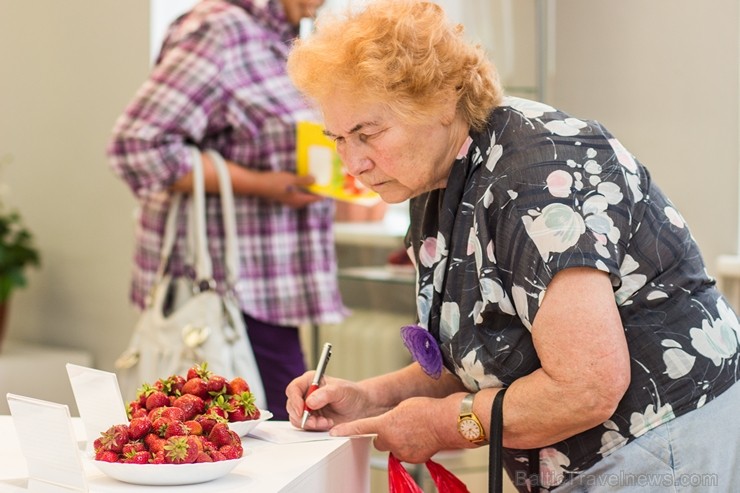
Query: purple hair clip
{"points": [[423, 348]]}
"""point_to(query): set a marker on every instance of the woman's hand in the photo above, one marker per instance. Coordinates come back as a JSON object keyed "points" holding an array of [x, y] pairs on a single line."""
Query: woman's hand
{"points": [[413, 431], [288, 188], [335, 401], [279, 186]]}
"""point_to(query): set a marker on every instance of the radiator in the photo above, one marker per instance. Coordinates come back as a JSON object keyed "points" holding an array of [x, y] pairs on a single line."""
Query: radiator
{"points": [[366, 344], [728, 278]]}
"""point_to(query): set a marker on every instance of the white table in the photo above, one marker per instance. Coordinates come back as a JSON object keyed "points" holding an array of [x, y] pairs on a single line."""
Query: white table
{"points": [[329, 466]]}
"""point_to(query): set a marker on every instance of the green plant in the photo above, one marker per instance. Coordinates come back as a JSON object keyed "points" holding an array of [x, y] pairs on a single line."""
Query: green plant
{"points": [[17, 251]]}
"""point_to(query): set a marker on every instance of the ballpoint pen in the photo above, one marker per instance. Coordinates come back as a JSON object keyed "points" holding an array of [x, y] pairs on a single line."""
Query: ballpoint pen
{"points": [[320, 368]]}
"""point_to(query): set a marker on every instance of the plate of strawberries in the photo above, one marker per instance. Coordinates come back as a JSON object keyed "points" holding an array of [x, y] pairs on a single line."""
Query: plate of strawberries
{"points": [[166, 456], [181, 430], [203, 397]]}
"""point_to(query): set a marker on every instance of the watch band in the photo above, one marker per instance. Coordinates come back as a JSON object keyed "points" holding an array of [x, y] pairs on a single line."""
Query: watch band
{"points": [[466, 406]]}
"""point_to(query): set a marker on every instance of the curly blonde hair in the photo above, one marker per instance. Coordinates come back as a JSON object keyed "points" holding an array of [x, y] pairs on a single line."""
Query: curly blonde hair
{"points": [[402, 53]]}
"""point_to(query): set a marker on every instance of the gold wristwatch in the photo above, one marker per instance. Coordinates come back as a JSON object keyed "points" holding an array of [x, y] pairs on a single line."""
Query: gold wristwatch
{"points": [[468, 423]]}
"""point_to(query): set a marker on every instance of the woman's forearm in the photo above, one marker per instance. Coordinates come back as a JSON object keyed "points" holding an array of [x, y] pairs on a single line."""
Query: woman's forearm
{"points": [[244, 181], [388, 390]]}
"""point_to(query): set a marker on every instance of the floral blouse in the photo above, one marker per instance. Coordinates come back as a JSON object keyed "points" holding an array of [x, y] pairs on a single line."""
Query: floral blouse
{"points": [[535, 193]]}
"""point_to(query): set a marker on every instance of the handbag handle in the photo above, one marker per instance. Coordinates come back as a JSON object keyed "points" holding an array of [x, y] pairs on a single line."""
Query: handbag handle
{"points": [[203, 264], [228, 213]]}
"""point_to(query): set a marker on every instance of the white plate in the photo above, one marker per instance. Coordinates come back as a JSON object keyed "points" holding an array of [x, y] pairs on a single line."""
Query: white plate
{"points": [[244, 427], [167, 474]]}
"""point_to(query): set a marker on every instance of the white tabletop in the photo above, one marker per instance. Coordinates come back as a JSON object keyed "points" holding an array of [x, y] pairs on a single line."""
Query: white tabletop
{"points": [[326, 466]]}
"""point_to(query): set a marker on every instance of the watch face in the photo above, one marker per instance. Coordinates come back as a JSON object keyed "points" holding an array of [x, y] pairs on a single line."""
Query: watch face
{"points": [[470, 429]]}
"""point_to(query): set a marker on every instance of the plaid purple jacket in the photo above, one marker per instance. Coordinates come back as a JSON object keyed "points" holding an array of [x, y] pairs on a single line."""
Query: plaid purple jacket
{"points": [[220, 83]]}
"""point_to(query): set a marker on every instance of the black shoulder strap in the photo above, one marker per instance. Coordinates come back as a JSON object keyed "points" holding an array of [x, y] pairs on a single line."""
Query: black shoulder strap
{"points": [[495, 452]]}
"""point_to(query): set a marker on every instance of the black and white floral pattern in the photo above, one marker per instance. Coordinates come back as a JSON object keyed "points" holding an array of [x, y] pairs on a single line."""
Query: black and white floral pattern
{"points": [[540, 191]]}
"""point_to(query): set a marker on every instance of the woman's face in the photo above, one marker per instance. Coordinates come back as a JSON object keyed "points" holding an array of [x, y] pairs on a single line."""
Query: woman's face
{"points": [[295, 10], [395, 159]]}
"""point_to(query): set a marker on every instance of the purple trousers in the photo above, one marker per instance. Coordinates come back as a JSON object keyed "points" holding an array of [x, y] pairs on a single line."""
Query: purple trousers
{"points": [[280, 359]]}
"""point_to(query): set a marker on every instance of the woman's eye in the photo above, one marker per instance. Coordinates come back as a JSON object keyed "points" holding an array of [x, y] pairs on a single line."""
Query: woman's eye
{"points": [[363, 137]]}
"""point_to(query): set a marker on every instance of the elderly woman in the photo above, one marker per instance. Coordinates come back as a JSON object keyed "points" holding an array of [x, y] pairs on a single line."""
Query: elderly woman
{"points": [[548, 264]]}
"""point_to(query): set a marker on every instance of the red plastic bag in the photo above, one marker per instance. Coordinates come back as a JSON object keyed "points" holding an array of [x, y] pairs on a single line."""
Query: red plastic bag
{"points": [[400, 481]]}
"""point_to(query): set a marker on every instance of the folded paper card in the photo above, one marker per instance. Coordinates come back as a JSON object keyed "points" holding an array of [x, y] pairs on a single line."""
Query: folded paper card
{"points": [[49, 445], [316, 155], [284, 432], [98, 399]]}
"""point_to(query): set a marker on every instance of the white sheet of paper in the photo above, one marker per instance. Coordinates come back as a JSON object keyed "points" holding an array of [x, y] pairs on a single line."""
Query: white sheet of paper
{"points": [[48, 443], [284, 432], [98, 399]]}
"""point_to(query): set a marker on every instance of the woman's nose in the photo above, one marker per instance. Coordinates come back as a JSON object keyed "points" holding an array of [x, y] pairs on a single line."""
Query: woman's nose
{"points": [[355, 161]]}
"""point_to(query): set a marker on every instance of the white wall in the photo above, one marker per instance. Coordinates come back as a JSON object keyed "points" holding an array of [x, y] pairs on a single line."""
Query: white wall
{"points": [[662, 75], [67, 69], [163, 12]]}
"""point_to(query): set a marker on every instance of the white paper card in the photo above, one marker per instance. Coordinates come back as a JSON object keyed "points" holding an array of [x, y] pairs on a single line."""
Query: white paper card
{"points": [[48, 443], [98, 399], [284, 432]]}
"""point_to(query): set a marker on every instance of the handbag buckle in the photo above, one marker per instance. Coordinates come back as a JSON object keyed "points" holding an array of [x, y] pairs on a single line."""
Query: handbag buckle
{"points": [[194, 337], [204, 285], [127, 359]]}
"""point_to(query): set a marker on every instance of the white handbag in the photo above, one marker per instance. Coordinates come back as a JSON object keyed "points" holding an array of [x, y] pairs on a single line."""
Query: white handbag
{"points": [[188, 322]]}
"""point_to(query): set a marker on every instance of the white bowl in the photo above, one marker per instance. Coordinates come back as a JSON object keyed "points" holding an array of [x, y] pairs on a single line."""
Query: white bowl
{"points": [[167, 474], [244, 427]]}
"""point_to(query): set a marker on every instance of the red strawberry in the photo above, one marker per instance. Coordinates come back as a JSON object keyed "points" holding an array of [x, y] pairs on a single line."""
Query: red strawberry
{"points": [[174, 413], [200, 371], [208, 445], [237, 415], [237, 385], [172, 385], [155, 414], [106, 456], [143, 392], [196, 386], [208, 420], [159, 426], [194, 427], [176, 428], [217, 456], [141, 457], [231, 451], [139, 413], [133, 408], [157, 399], [139, 427], [220, 435], [176, 383], [191, 405], [181, 450], [221, 405], [158, 458], [216, 385], [133, 447], [244, 407], [114, 438], [203, 457], [154, 443]]}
